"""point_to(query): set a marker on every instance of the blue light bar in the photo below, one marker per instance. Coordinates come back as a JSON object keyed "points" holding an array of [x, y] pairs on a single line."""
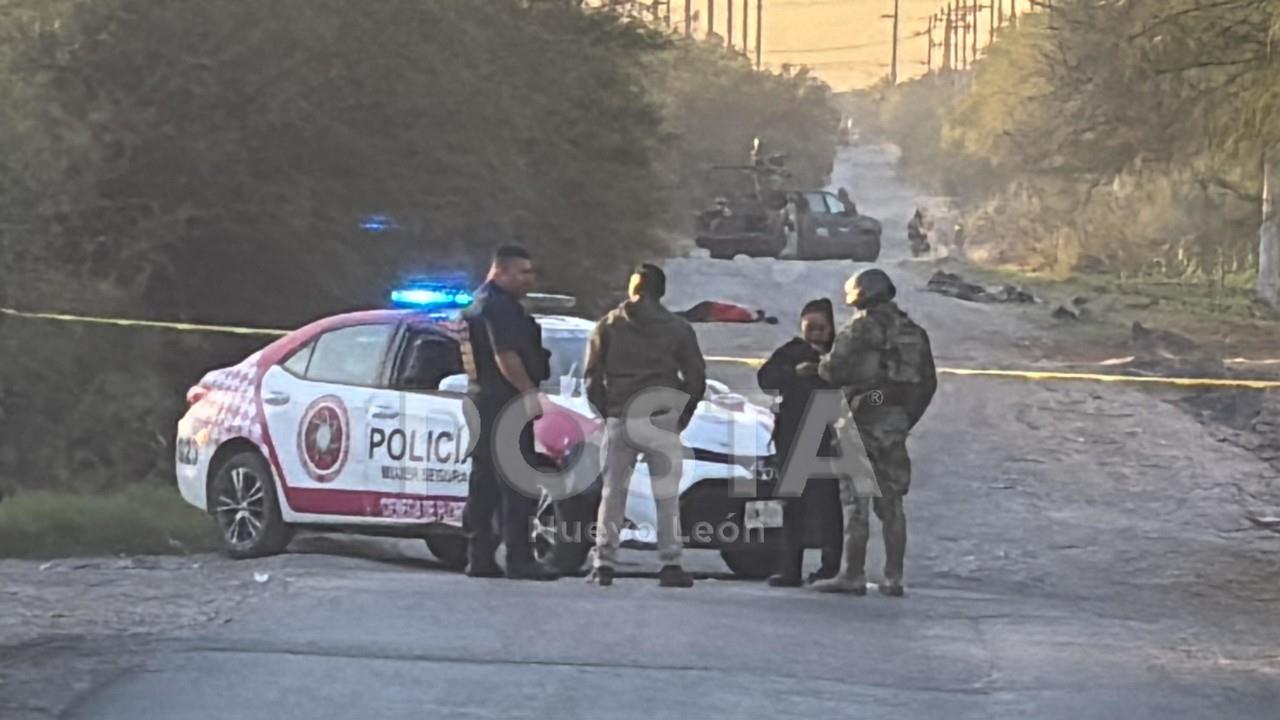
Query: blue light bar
{"points": [[378, 223], [431, 297]]}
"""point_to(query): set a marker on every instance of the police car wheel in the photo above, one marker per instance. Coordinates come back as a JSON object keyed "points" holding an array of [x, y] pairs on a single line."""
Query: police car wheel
{"points": [[750, 564], [242, 498], [450, 550]]}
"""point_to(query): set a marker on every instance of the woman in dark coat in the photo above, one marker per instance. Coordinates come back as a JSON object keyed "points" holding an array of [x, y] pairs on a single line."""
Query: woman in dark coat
{"points": [[821, 498]]}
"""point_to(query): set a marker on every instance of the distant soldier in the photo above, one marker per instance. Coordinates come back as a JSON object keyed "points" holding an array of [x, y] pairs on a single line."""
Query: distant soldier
{"points": [[757, 154], [883, 361], [918, 234], [850, 207], [958, 239]]}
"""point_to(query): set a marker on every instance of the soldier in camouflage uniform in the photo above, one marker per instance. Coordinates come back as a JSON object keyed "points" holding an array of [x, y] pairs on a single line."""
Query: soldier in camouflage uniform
{"points": [[884, 363]]}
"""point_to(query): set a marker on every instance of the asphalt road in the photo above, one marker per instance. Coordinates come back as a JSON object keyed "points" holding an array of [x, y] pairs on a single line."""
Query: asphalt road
{"points": [[1074, 553]]}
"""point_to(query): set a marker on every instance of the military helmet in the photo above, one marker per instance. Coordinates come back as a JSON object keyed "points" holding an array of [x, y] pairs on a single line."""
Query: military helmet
{"points": [[870, 287]]}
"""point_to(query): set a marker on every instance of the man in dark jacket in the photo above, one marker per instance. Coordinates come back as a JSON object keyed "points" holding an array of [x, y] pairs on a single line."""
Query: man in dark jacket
{"points": [[509, 362], [639, 346], [821, 497]]}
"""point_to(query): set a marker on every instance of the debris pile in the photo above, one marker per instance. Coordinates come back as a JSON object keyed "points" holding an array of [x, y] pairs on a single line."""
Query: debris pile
{"points": [[1077, 311], [953, 285], [1167, 353]]}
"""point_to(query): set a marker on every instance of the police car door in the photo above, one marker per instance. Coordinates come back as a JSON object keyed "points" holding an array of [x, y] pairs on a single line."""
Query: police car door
{"points": [[418, 443], [317, 405]]}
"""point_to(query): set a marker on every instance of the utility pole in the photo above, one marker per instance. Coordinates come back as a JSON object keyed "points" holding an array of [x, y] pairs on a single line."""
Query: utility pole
{"points": [[974, 23], [746, 40], [947, 63], [991, 22], [1000, 13], [956, 44], [728, 33], [893, 67], [1013, 12], [711, 18], [929, 63], [688, 18], [962, 17], [759, 34]]}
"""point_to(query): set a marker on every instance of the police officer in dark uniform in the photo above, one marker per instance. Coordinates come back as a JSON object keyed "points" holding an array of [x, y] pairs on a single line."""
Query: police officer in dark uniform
{"points": [[509, 365]]}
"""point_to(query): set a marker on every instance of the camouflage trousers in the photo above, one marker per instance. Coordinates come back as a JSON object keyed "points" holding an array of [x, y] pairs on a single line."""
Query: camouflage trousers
{"points": [[887, 452]]}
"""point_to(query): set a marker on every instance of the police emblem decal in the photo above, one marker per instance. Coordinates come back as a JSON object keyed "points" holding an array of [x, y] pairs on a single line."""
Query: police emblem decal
{"points": [[324, 438]]}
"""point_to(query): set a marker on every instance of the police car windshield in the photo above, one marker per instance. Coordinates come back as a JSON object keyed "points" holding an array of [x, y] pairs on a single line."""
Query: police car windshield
{"points": [[568, 351]]}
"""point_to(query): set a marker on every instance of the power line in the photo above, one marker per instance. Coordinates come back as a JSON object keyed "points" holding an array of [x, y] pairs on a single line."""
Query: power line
{"points": [[837, 48], [841, 63], [809, 3], [862, 46]]}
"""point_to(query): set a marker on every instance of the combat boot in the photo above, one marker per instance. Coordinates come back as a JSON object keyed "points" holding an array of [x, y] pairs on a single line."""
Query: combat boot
{"points": [[783, 580], [821, 574], [892, 588], [849, 585], [480, 570], [480, 562], [674, 576], [851, 580], [529, 569]]}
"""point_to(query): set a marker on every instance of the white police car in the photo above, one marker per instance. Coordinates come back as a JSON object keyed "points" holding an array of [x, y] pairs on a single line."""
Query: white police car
{"points": [[356, 423]]}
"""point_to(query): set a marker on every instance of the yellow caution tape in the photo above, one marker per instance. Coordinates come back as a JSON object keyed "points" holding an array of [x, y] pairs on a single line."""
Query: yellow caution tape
{"points": [[1076, 376], [1100, 377], [191, 327], [753, 362]]}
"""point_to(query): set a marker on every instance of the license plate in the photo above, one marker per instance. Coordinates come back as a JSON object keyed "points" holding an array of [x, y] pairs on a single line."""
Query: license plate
{"points": [[763, 514]]}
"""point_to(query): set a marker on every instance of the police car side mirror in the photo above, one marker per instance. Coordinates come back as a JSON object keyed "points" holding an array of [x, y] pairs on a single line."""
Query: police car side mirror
{"points": [[455, 383]]}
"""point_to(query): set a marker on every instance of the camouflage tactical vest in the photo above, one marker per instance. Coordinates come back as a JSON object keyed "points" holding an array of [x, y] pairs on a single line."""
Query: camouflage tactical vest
{"points": [[907, 363]]}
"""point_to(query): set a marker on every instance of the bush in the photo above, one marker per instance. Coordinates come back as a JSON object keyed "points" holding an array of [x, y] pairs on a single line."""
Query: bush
{"points": [[135, 520], [1119, 136], [212, 162]]}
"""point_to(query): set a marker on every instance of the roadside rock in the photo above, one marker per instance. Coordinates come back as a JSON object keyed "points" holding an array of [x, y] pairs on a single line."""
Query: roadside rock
{"points": [[1162, 342], [1009, 293], [1162, 352], [1062, 312], [1236, 409]]}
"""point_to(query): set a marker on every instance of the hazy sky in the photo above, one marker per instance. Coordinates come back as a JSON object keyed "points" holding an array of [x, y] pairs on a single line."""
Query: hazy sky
{"points": [[801, 31]]}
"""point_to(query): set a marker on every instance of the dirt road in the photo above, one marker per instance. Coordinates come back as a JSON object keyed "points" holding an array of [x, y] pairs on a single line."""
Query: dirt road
{"points": [[1076, 551]]}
